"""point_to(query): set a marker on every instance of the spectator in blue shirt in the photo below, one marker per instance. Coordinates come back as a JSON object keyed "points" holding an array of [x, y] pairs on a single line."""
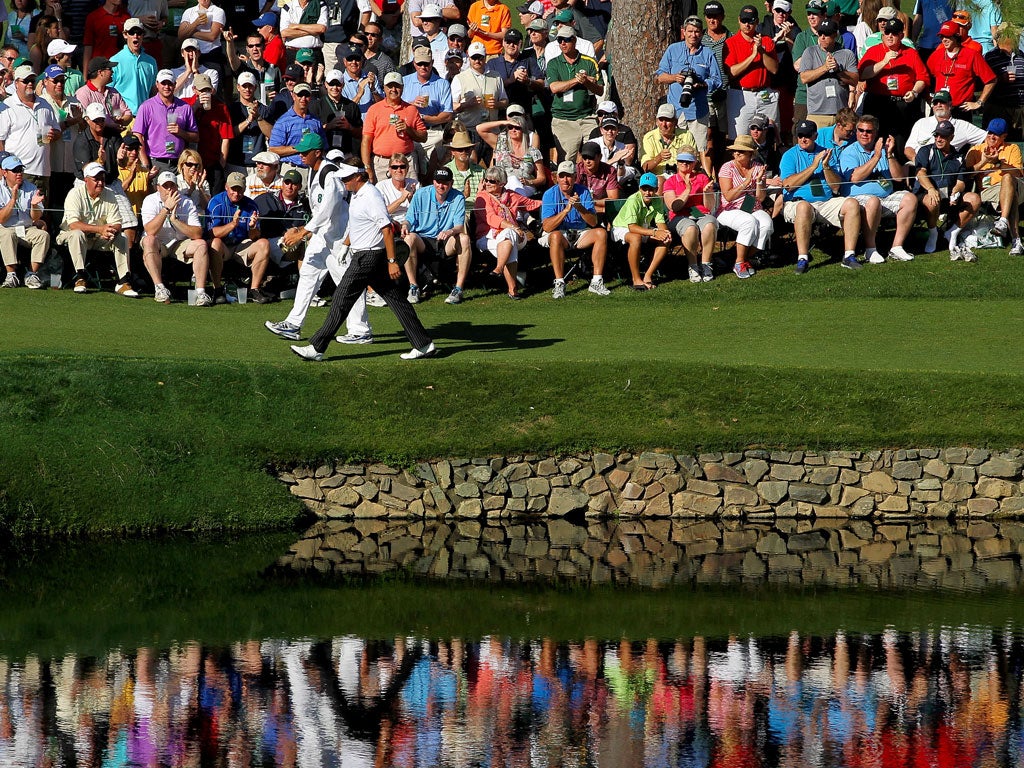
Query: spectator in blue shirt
{"points": [[435, 224], [431, 94], [293, 125], [569, 219], [684, 57], [361, 85], [232, 220], [812, 183]]}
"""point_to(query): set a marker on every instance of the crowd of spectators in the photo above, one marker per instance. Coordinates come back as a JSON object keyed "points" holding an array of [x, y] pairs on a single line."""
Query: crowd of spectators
{"points": [[164, 133]]}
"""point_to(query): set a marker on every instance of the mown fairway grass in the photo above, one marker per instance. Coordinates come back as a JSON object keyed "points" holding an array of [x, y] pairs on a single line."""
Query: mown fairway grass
{"points": [[129, 416]]}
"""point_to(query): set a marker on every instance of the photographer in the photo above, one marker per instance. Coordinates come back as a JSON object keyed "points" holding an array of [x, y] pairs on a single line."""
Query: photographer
{"points": [[691, 72]]}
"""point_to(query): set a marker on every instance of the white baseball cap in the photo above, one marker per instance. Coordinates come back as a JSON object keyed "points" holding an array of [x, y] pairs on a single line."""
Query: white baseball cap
{"points": [[476, 49], [247, 78], [166, 75], [334, 76], [95, 111], [165, 177], [93, 169], [58, 47], [189, 42]]}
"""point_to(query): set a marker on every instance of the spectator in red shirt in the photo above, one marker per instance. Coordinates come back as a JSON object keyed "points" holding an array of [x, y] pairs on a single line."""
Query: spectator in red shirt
{"points": [[273, 50], [596, 175], [750, 60], [895, 79], [959, 70], [103, 31], [215, 130]]}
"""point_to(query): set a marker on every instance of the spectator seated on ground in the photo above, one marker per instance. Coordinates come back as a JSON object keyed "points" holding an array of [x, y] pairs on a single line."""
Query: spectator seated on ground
{"points": [[435, 227], [690, 199], [569, 219], [501, 227], [643, 218], [996, 165], [171, 229], [940, 186], [812, 185], [92, 222]]}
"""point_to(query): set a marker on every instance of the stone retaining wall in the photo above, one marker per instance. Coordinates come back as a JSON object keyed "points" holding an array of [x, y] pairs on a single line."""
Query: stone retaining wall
{"points": [[657, 552], [753, 484]]}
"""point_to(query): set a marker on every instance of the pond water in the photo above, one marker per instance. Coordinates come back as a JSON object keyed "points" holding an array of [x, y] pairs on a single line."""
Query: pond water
{"points": [[208, 653]]}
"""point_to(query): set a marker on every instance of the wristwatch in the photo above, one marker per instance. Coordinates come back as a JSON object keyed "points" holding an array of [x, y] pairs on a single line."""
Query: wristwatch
{"points": [[392, 261]]}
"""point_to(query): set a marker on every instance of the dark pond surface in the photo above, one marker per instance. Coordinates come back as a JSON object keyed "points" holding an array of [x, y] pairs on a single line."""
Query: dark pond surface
{"points": [[186, 653]]}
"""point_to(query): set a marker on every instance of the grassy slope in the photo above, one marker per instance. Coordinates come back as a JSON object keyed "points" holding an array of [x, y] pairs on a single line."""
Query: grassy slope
{"points": [[123, 415]]}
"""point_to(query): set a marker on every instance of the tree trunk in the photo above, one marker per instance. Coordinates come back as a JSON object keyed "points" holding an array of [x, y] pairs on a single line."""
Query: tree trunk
{"points": [[640, 32]]}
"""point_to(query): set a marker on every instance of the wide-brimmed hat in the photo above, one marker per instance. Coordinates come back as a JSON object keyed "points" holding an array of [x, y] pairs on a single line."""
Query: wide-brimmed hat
{"points": [[743, 143], [461, 140]]}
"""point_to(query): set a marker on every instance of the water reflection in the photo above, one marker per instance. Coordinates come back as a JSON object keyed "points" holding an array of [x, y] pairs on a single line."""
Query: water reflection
{"points": [[949, 697]]}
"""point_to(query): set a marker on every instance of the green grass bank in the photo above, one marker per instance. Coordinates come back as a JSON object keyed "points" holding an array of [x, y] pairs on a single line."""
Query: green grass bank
{"points": [[125, 416]]}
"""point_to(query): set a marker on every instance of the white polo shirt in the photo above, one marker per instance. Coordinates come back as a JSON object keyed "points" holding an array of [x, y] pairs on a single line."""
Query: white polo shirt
{"points": [[214, 15], [290, 16], [167, 234], [22, 129], [368, 215]]}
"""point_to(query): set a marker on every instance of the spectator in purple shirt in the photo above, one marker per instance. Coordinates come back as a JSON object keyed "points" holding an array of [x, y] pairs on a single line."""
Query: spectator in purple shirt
{"points": [[165, 125]]}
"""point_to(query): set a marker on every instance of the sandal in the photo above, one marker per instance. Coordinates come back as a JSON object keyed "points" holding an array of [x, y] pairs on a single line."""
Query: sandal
{"points": [[641, 287]]}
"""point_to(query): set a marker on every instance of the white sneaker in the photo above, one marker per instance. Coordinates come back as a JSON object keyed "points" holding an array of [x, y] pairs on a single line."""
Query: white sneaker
{"points": [[161, 295], [598, 287], [203, 299], [414, 294], [1016, 250], [415, 354], [707, 273], [11, 281], [374, 300], [694, 273], [955, 253], [32, 281], [355, 338], [899, 254], [967, 254], [933, 241], [307, 352], [316, 301], [876, 257], [558, 292]]}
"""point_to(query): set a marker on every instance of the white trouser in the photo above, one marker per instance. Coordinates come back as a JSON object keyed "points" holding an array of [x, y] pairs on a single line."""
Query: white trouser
{"points": [[315, 266], [750, 228]]}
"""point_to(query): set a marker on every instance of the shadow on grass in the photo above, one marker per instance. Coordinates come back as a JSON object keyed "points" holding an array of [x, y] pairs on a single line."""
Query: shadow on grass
{"points": [[461, 336]]}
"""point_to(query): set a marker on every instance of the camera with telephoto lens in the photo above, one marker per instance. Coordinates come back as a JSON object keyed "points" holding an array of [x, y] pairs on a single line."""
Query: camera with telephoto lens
{"points": [[689, 83]]}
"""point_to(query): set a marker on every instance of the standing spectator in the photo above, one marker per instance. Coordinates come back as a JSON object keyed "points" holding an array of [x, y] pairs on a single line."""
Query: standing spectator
{"points": [[19, 23], [70, 116], [829, 71], [343, 122], [103, 31], [449, 12], [743, 192], [360, 85], [273, 49], [430, 20], [205, 23], [715, 36], [691, 64], [215, 129], [434, 228], [869, 167], [292, 126], [27, 126], [135, 70], [339, 16], [988, 16], [97, 143], [959, 71], [432, 96], [59, 53], [251, 120], [520, 75], [895, 79], [47, 29], [929, 15], [817, 12], [92, 221], [375, 59], [574, 81], [781, 27], [266, 76], [153, 15], [233, 223], [165, 125], [751, 61], [643, 218], [477, 96], [303, 22], [191, 68], [391, 126], [285, 98], [97, 90], [569, 220], [488, 21], [963, 18], [1007, 100], [21, 207]]}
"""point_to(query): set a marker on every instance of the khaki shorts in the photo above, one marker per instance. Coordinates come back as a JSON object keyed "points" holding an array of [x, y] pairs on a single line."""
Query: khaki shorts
{"points": [[180, 250], [241, 252], [826, 211], [990, 194]]}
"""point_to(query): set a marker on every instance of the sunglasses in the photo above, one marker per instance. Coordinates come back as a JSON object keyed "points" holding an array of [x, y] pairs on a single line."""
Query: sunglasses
{"points": [[133, 33], [805, 135], [372, 34], [399, 167], [748, 20], [424, 63], [254, 45], [865, 130], [291, 183], [353, 58], [191, 165]]}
